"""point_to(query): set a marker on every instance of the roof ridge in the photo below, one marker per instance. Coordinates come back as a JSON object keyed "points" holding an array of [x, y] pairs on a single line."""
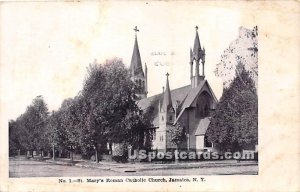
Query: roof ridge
{"points": [[159, 94], [188, 102]]}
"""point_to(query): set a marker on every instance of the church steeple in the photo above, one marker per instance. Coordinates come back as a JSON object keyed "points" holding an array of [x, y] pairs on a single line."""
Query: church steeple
{"points": [[196, 55], [136, 70], [197, 46], [167, 100], [166, 109], [191, 63], [136, 63]]}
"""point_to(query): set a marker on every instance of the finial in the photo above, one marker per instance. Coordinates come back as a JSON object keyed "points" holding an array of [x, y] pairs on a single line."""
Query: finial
{"points": [[167, 74], [196, 28], [136, 29]]}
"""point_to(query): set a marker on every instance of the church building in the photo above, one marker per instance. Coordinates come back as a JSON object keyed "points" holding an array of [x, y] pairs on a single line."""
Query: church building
{"points": [[188, 106]]}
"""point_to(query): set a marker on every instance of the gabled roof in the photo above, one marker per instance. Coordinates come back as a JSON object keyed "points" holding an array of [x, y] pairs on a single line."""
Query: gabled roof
{"points": [[151, 104], [192, 96], [202, 127], [184, 96], [136, 63]]}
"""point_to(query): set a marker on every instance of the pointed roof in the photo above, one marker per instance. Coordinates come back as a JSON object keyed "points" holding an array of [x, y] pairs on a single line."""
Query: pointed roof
{"points": [[192, 95], [136, 63], [167, 102], [152, 104], [202, 126], [191, 55], [197, 45]]}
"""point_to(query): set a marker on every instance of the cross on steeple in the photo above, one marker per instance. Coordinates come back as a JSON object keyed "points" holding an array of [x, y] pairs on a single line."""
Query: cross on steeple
{"points": [[167, 100], [136, 30], [137, 74]]}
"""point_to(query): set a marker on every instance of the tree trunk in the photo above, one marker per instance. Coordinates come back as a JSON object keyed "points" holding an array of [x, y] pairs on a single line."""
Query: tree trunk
{"points": [[176, 159], [110, 148], [96, 155], [53, 152], [71, 154]]}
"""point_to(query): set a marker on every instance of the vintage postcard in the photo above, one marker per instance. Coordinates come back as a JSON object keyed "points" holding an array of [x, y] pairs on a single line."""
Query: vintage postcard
{"points": [[149, 96]]}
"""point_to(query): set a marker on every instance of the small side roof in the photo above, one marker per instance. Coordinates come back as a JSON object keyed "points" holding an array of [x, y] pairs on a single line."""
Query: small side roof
{"points": [[202, 127]]}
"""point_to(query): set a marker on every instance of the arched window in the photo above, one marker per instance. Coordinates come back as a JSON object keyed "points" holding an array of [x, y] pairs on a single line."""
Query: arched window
{"points": [[203, 105], [197, 110], [202, 112], [140, 83]]}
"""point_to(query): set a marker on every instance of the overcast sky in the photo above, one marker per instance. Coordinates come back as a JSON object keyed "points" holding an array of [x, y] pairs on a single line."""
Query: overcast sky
{"points": [[46, 47]]}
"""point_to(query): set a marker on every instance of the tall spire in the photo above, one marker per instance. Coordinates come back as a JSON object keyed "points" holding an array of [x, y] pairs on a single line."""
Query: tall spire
{"points": [[191, 55], [196, 55], [136, 63], [197, 46], [167, 102]]}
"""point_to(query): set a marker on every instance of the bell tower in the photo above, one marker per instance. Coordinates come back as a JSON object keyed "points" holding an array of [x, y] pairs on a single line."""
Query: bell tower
{"points": [[136, 70], [166, 118], [197, 57]]}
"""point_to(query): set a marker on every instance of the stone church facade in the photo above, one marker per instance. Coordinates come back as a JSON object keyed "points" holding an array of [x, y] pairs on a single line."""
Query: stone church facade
{"points": [[189, 106]]}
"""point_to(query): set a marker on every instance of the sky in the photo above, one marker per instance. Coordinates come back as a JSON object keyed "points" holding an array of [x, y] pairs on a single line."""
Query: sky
{"points": [[46, 47]]}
